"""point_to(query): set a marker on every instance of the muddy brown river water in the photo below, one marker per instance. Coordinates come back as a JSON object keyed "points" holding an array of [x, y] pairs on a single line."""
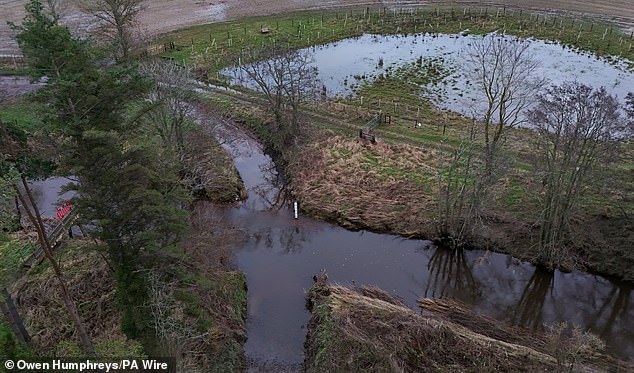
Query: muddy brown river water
{"points": [[280, 255]]}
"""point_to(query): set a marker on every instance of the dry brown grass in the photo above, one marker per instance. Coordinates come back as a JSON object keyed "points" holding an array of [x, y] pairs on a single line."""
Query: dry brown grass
{"points": [[373, 332], [92, 287], [361, 185], [367, 329]]}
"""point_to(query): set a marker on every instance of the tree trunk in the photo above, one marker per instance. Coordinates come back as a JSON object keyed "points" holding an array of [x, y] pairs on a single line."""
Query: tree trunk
{"points": [[36, 219], [18, 212]]}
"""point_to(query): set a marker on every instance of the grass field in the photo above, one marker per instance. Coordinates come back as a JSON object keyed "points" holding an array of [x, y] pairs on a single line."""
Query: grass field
{"points": [[214, 46], [163, 16]]}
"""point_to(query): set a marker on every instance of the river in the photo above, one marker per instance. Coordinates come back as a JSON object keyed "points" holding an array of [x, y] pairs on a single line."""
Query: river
{"points": [[280, 255]]}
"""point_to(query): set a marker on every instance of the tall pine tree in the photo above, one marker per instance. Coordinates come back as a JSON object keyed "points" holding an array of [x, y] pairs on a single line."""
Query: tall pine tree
{"points": [[134, 205]]}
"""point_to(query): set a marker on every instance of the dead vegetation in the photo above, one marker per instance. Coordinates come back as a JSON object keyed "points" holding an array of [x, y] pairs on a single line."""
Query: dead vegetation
{"points": [[197, 303], [91, 285], [369, 330], [202, 311], [359, 185], [210, 169]]}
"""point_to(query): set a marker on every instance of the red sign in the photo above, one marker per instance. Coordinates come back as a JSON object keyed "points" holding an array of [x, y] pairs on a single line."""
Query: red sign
{"points": [[63, 210]]}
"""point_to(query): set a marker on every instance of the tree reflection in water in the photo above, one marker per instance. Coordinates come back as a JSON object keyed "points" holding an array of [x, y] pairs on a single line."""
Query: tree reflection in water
{"points": [[287, 239], [450, 274], [529, 311], [272, 189], [619, 300]]}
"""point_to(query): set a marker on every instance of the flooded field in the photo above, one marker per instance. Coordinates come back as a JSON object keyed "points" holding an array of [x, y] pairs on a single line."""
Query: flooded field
{"points": [[345, 65]]}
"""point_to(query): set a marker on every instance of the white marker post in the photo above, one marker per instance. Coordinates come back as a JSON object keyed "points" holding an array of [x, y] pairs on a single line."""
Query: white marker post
{"points": [[295, 209]]}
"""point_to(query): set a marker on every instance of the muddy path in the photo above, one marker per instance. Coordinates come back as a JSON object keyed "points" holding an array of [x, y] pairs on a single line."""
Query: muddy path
{"points": [[162, 16]]}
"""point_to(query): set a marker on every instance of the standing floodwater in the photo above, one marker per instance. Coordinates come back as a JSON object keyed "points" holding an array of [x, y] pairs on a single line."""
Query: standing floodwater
{"points": [[280, 255], [346, 64]]}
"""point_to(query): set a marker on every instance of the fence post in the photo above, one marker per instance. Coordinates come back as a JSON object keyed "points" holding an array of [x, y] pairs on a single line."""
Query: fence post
{"points": [[11, 314]]}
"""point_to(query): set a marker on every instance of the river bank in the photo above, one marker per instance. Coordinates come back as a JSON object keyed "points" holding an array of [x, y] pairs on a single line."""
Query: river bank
{"points": [[392, 188], [346, 323], [400, 196], [196, 305]]}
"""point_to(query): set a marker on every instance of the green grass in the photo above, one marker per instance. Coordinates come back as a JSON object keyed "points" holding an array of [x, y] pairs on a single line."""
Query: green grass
{"points": [[22, 112], [13, 252], [237, 282], [520, 199], [215, 45], [10, 348], [12, 71], [403, 84], [325, 332]]}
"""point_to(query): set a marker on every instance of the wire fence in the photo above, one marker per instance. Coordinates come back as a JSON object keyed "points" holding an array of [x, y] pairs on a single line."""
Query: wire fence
{"points": [[330, 26]]}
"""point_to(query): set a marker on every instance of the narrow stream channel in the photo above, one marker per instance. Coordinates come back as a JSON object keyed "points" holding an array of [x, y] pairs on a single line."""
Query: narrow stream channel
{"points": [[280, 255]]}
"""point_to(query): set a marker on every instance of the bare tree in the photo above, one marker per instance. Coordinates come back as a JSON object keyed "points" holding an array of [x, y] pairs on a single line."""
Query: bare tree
{"points": [[29, 204], [286, 79], [505, 73], [117, 17], [578, 128], [56, 8], [172, 94], [175, 337], [455, 213]]}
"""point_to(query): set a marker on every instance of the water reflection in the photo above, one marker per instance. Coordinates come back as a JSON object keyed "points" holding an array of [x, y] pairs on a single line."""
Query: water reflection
{"points": [[282, 240], [280, 254], [614, 308], [529, 309], [450, 274]]}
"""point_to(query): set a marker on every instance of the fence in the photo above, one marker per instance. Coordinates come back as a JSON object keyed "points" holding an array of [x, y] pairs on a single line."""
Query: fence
{"points": [[8, 309], [13, 61], [54, 237], [330, 26]]}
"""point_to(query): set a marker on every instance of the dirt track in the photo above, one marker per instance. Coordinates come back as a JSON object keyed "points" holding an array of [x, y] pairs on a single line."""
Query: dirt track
{"points": [[165, 15]]}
